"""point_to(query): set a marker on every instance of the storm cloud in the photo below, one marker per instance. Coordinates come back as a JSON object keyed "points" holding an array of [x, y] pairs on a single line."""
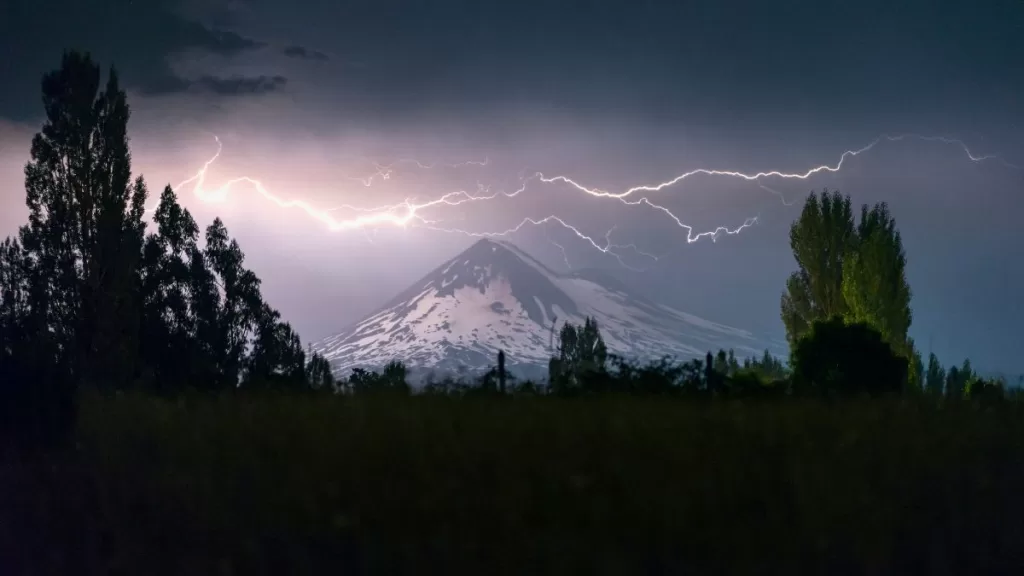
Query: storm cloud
{"points": [[613, 93], [304, 53]]}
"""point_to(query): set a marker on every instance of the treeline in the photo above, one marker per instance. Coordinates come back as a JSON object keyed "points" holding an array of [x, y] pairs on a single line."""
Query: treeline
{"points": [[835, 359], [89, 297]]}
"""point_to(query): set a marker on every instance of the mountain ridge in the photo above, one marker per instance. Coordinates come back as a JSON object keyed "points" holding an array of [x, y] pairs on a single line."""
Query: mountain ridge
{"points": [[495, 296]]}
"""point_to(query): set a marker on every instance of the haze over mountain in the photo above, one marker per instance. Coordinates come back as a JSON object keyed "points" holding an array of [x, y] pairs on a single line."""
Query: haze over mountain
{"points": [[493, 296]]}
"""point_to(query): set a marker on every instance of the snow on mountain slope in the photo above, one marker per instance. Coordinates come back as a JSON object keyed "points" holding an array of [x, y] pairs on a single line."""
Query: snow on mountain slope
{"points": [[496, 297]]}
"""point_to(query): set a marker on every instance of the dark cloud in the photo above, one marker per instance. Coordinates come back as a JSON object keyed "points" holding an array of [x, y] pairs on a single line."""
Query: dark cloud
{"points": [[685, 62], [240, 85], [223, 42], [141, 39], [223, 86], [304, 53]]}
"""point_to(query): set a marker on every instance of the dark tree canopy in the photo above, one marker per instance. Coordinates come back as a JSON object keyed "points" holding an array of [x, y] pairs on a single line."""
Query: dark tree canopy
{"points": [[840, 359], [582, 355], [88, 299], [935, 377]]}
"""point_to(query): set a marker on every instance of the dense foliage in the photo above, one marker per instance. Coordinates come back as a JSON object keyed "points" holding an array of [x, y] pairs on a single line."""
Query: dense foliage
{"points": [[854, 272]]}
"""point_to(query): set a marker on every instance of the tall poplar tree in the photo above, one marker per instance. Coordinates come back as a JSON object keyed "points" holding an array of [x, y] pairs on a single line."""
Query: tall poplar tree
{"points": [[854, 272], [874, 279], [821, 238], [85, 229]]}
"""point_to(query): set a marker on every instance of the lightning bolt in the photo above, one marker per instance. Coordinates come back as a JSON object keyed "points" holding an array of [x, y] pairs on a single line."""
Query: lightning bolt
{"points": [[776, 192], [607, 248], [408, 212], [565, 255], [754, 177]]}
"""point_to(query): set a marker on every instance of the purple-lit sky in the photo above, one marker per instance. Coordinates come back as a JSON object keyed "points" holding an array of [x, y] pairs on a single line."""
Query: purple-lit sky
{"points": [[307, 95]]}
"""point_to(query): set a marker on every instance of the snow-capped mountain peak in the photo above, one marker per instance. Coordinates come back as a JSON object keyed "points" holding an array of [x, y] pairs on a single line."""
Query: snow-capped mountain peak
{"points": [[493, 296]]}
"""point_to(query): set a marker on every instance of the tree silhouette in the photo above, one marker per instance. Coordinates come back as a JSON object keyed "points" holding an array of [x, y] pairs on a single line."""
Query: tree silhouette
{"points": [[391, 380], [502, 376], [582, 357], [86, 297], [319, 373], [710, 376], [277, 359], [984, 390], [85, 225], [70, 278], [767, 366], [734, 364], [959, 380], [841, 359], [935, 376]]}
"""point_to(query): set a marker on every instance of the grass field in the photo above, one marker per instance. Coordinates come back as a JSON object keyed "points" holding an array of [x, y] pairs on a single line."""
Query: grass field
{"points": [[297, 485]]}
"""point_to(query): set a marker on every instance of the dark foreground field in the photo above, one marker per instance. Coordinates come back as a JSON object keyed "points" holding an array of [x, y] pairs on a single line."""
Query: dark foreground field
{"points": [[299, 485]]}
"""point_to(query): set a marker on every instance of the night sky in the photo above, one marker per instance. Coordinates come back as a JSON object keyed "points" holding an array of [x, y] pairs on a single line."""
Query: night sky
{"points": [[306, 96]]}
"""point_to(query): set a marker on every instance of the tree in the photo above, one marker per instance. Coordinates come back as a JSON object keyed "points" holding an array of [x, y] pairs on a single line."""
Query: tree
{"points": [[70, 314], [935, 376], [821, 239], [86, 297], [33, 388], [711, 376], [984, 390], [204, 320], [839, 358], [319, 374], [502, 376], [767, 366], [915, 377], [858, 274], [722, 362], [734, 364], [955, 383], [582, 357], [85, 228], [391, 379], [874, 284], [959, 380], [241, 305], [277, 359], [171, 283]]}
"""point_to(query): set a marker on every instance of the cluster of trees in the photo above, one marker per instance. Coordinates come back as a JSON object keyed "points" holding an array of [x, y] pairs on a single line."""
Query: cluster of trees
{"points": [[846, 308], [847, 270], [88, 297]]}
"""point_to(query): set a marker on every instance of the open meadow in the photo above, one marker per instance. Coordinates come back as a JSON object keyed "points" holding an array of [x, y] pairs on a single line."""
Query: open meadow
{"points": [[297, 484]]}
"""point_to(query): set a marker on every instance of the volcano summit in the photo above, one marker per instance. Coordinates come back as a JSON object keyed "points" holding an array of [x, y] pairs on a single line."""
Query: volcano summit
{"points": [[493, 296]]}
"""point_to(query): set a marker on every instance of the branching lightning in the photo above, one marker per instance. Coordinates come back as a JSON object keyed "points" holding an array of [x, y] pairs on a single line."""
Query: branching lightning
{"points": [[565, 255], [771, 173], [410, 212]]}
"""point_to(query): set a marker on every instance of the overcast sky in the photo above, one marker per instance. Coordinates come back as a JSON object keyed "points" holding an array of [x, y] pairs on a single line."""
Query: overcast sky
{"points": [[308, 97]]}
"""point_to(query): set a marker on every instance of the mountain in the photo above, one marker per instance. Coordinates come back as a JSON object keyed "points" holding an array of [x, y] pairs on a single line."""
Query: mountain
{"points": [[493, 296]]}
